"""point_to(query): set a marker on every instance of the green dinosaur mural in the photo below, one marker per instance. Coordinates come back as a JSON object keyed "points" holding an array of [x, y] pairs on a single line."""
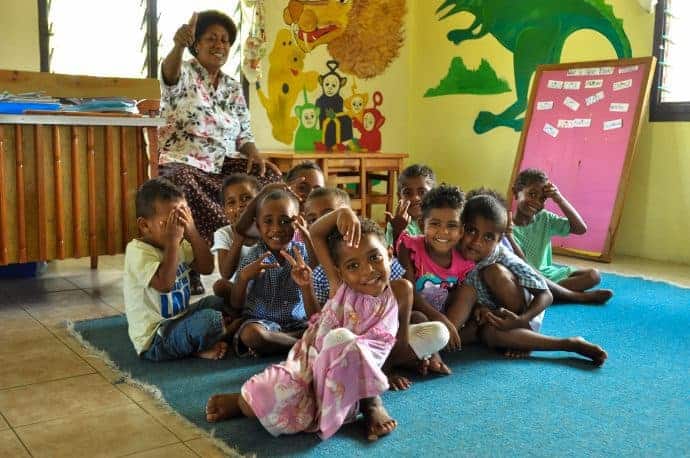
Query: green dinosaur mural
{"points": [[535, 32], [461, 80]]}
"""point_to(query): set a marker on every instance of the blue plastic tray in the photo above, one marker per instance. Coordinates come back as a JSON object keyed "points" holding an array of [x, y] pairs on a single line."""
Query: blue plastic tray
{"points": [[20, 107]]}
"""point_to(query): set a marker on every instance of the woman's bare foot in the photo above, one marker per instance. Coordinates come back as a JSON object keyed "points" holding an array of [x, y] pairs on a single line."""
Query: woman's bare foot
{"points": [[516, 354], [598, 296], [397, 382], [434, 364], [376, 418], [223, 406], [217, 351], [589, 350]]}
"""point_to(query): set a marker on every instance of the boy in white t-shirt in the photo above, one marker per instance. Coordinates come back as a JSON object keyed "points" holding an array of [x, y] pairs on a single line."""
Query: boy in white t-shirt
{"points": [[162, 323]]}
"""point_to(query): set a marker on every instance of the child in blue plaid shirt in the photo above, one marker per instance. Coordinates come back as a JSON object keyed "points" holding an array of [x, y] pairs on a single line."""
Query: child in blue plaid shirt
{"points": [[272, 303], [511, 297]]}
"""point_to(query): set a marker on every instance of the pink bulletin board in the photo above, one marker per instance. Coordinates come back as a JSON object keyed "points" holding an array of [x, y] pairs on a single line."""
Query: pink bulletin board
{"points": [[581, 128]]}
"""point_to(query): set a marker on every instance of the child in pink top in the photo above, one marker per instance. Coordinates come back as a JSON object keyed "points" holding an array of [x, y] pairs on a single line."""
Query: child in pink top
{"points": [[334, 371], [434, 265]]}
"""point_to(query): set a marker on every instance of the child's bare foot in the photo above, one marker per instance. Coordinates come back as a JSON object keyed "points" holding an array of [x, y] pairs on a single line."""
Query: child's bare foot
{"points": [[598, 296], [434, 364], [589, 350], [376, 418], [397, 382], [223, 406], [217, 351], [516, 354]]}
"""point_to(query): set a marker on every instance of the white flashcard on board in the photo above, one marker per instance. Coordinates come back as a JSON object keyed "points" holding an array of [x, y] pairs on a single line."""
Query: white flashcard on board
{"points": [[566, 124], [630, 69], [545, 105], [577, 72], [620, 85], [571, 85], [594, 98], [582, 122], [619, 107], [594, 84], [613, 124], [606, 71], [555, 84], [550, 130], [571, 103]]}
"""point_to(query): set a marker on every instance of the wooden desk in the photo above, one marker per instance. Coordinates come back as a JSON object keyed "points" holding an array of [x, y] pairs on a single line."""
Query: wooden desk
{"points": [[69, 180], [358, 168]]}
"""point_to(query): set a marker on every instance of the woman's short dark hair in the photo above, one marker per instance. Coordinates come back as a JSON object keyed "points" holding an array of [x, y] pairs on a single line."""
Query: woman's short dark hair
{"points": [[207, 18]]}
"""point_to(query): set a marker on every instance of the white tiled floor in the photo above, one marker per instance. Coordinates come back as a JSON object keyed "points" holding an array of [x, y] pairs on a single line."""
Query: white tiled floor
{"points": [[58, 400]]}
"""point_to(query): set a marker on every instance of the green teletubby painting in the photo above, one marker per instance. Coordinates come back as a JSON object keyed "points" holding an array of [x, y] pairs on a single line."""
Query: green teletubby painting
{"points": [[535, 31]]}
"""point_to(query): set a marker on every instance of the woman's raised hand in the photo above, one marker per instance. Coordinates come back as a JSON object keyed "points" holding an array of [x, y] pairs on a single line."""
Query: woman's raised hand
{"points": [[184, 37]]}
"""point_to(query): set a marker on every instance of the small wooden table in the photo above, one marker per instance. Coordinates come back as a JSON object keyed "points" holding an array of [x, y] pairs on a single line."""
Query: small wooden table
{"points": [[360, 169]]}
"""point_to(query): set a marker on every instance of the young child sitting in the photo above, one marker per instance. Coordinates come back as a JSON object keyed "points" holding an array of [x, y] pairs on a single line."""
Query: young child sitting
{"points": [[428, 335], [162, 323], [228, 245], [511, 296], [533, 228], [413, 182], [336, 366], [431, 261], [271, 301]]}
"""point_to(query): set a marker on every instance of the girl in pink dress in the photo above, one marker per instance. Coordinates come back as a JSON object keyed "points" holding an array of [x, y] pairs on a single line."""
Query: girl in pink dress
{"points": [[435, 267], [334, 371]]}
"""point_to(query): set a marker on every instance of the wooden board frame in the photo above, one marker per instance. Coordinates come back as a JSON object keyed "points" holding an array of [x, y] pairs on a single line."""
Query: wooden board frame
{"points": [[642, 105]]}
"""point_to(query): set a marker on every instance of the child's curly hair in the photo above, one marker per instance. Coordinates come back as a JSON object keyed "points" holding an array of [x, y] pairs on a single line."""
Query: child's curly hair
{"points": [[368, 226], [340, 195], [416, 170], [277, 194], [488, 204], [442, 196], [237, 178], [155, 189], [297, 170], [527, 177]]}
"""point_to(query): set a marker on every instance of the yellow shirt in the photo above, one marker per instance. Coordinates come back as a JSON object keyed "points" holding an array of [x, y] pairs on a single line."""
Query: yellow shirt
{"points": [[147, 308]]}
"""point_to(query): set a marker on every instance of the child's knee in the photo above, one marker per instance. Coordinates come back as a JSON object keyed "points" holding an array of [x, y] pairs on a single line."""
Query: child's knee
{"points": [[337, 336], [418, 317], [253, 335], [594, 276], [222, 288], [496, 275]]}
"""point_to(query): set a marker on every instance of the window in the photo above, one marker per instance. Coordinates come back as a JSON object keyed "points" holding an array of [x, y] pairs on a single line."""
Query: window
{"points": [[125, 38], [670, 91]]}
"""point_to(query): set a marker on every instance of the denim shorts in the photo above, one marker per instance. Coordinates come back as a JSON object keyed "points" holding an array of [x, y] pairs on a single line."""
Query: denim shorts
{"points": [[194, 332]]}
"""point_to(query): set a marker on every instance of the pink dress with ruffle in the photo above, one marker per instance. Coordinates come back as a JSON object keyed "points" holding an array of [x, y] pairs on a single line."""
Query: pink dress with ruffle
{"points": [[336, 363]]}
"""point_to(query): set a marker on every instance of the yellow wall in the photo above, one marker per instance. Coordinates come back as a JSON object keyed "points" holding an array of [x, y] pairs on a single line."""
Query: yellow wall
{"points": [[438, 130], [653, 223], [19, 44]]}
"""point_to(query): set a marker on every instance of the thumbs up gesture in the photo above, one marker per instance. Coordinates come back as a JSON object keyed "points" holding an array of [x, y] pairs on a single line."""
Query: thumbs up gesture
{"points": [[184, 37]]}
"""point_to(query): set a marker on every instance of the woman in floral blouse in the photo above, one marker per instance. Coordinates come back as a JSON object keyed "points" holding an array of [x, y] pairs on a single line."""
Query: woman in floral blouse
{"points": [[208, 134]]}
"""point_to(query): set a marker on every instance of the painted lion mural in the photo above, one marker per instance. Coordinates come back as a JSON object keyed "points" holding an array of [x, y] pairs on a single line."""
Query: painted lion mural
{"points": [[364, 36]]}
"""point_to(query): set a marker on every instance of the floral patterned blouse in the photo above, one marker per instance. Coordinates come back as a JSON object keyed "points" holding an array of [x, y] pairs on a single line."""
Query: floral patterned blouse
{"points": [[204, 124]]}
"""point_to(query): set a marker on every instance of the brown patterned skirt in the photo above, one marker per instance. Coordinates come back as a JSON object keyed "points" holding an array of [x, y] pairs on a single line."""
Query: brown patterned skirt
{"points": [[202, 190]]}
